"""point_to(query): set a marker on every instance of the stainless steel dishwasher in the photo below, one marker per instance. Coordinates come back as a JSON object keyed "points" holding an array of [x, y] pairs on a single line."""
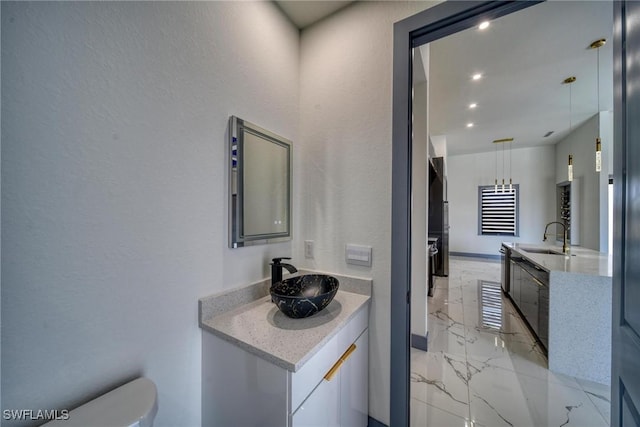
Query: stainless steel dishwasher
{"points": [[530, 294], [505, 255]]}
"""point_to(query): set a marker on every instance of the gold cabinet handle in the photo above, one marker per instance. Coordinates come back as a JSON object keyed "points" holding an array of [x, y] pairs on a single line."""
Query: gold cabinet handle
{"points": [[348, 353], [336, 366], [333, 370]]}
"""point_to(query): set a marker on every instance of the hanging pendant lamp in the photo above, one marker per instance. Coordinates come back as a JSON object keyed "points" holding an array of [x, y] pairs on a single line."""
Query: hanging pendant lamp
{"points": [[503, 168], [568, 81], [496, 142], [510, 180], [597, 45], [495, 186]]}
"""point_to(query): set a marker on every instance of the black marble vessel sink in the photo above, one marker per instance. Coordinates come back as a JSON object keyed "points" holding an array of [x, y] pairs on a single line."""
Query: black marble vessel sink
{"points": [[305, 295]]}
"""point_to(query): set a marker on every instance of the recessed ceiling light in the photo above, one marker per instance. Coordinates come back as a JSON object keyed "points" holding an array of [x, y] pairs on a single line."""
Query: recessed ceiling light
{"points": [[476, 76], [469, 125], [484, 25], [473, 105]]}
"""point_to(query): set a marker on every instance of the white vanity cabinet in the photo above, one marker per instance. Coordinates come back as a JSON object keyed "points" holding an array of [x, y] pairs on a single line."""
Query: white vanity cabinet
{"points": [[240, 388], [339, 400]]}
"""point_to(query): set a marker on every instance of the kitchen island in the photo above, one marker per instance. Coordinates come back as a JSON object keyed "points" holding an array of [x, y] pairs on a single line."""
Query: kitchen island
{"points": [[576, 303]]}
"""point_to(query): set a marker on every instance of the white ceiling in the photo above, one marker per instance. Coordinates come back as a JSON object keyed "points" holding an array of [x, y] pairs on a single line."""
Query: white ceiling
{"points": [[306, 12], [524, 57]]}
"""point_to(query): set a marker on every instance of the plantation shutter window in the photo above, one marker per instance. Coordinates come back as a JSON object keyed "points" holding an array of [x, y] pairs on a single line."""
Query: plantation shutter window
{"points": [[498, 211]]}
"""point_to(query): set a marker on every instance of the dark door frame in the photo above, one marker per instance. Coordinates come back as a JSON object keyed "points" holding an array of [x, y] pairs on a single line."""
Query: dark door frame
{"points": [[434, 23]]}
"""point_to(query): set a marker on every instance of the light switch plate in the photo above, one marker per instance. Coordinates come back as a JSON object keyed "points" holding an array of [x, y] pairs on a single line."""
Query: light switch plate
{"points": [[308, 248], [358, 255]]}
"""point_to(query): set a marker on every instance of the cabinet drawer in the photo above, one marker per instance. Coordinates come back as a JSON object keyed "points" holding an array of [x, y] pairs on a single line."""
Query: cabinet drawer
{"points": [[343, 400], [306, 379], [322, 408]]}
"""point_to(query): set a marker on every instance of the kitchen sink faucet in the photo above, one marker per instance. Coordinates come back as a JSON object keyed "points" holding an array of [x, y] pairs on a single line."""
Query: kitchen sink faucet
{"points": [[565, 247]]}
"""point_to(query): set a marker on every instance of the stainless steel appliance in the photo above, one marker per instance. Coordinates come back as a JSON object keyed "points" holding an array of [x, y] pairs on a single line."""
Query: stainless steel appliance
{"points": [[505, 255], [445, 238], [529, 292], [432, 249], [439, 215]]}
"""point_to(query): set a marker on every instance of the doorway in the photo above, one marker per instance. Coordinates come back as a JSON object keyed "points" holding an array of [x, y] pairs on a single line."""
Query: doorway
{"points": [[428, 26], [432, 24]]}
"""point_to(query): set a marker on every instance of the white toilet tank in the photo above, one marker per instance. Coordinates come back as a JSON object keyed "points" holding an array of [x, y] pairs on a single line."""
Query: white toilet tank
{"points": [[134, 404]]}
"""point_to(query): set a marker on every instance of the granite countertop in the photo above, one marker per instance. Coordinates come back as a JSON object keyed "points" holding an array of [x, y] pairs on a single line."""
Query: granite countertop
{"points": [[579, 260], [251, 321]]}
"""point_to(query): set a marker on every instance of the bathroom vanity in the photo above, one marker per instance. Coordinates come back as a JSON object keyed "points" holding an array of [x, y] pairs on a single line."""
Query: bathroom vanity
{"points": [[565, 299], [261, 368]]}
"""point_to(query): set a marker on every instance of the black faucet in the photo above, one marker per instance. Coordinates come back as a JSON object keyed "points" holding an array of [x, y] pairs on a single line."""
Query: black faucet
{"points": [[565, 247], [276, 269]]}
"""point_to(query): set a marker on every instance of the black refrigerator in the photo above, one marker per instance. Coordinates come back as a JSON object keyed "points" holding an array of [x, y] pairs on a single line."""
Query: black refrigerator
{"points": [[439, 215]]}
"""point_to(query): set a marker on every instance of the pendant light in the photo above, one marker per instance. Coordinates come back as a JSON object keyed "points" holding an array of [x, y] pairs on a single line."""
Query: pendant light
{"points": [[568, 81], [495, 188], [597, 45], [503, 168], [510, 180]]}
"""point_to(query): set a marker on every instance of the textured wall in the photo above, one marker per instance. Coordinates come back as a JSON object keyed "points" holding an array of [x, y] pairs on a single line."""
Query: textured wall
{"points": [[533, 169], [114, 119], [345, 133]]}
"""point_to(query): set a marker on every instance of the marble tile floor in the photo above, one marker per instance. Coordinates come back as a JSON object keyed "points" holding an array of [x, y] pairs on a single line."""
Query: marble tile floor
{"points": [[484, 368]]}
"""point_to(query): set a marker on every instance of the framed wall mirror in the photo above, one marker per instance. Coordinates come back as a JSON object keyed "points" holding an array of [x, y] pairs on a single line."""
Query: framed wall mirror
{"points": [[259, 185]]}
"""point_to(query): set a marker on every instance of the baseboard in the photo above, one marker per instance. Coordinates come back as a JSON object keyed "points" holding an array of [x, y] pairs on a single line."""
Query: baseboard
{"points": [[474, 255], [420, 342], [375, 423]]}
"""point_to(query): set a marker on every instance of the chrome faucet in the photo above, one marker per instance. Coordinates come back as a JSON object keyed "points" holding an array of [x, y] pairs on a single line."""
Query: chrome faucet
{"points": [[276, 269], [565, 247]]}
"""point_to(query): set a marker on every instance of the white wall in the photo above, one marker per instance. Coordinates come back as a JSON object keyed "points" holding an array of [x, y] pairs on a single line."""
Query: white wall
{"points": [[533, 169], [345, 130], [114, 123], [581, 143]]}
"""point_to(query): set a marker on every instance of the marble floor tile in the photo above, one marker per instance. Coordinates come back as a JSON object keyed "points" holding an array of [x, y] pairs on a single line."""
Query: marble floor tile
{"points": [[497, 402], [437, 379], [500, 397], [443, 296], [532, 367], [446, 339], [470, 296], [600, 395], [503, 344], [424, 415], [492, 316], [484, 368], [451, 314], [557, 405]]}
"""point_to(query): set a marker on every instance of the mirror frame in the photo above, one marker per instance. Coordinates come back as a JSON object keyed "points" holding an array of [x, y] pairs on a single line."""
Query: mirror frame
{"points": [[235, 166]]}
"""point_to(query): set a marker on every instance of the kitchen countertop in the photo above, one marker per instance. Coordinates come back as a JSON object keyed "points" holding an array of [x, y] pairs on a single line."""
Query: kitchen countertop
{"points": [[260, 328], [580, 260]]}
